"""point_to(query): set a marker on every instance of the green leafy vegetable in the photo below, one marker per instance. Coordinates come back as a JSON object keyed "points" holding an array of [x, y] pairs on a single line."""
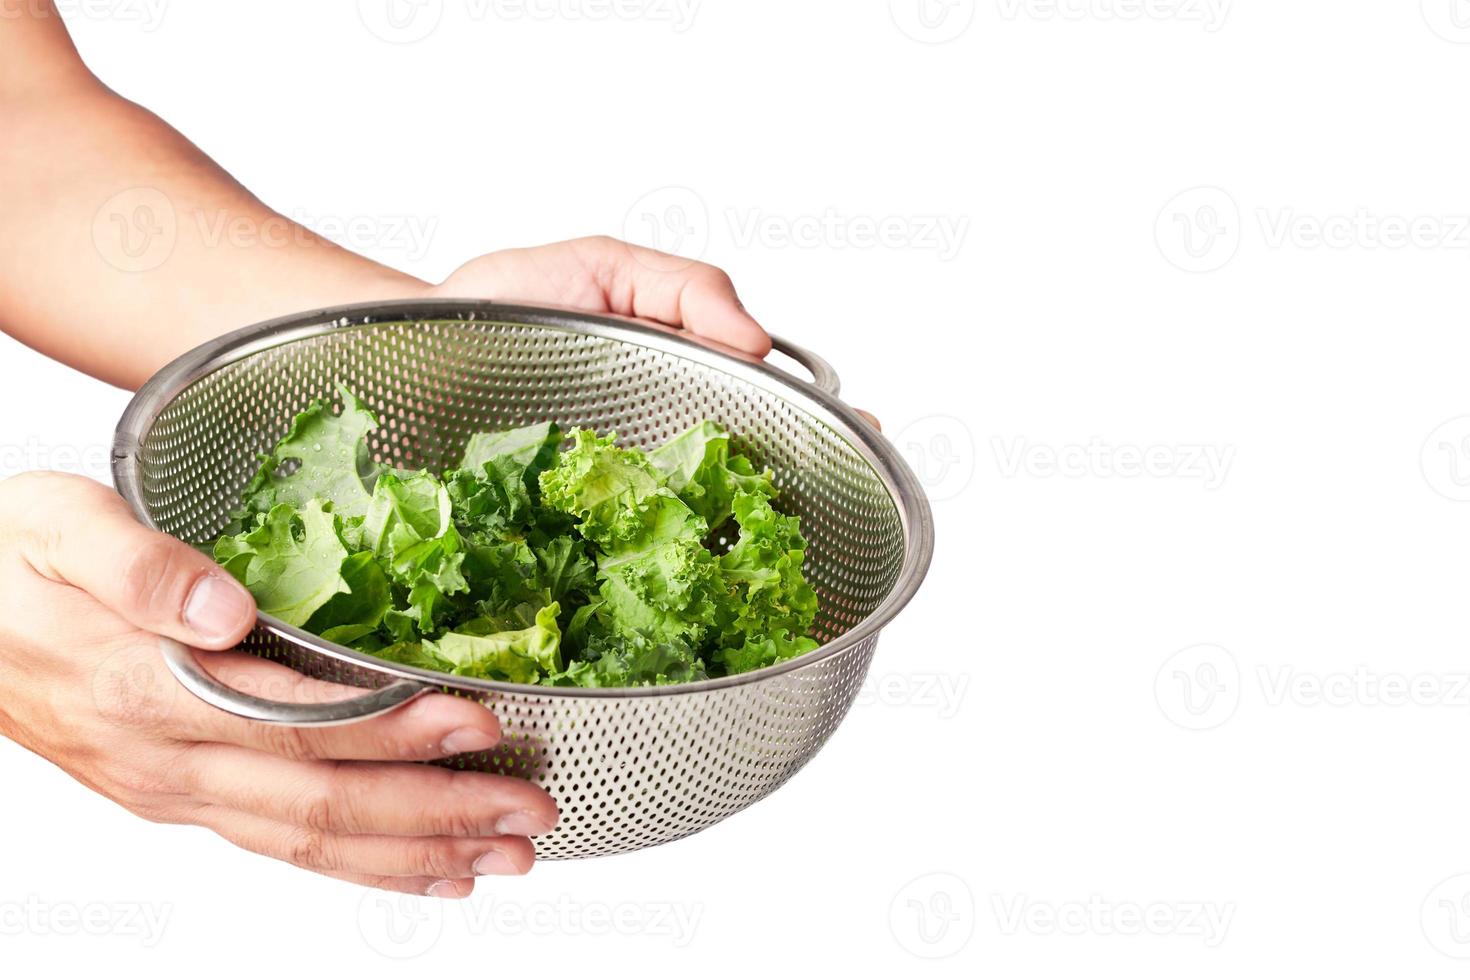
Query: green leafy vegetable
{"points": [[351, 615], [767, 592], [587, 566], [404, 513], [521, 656], [599, 484], [632, 660], [532, 448], [497, 484], [697, 465], [291, 562], [330, 455]]}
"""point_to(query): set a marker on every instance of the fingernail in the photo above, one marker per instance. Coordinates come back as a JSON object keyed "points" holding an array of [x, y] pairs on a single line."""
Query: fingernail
{"points": [[495, 863], [216, 609], [466, 740], [522, 823], [444, 889]]}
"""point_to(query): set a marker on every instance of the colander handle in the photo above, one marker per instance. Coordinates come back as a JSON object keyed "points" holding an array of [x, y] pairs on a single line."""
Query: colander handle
{"points": [[824, 375], [185, 667]]}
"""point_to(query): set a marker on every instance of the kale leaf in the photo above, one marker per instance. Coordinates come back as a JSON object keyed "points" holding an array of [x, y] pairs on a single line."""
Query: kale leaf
{"points": [[540, 559]]}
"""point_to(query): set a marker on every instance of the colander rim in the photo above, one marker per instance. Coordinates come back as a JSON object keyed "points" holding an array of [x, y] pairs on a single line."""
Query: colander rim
{"points": [[902, 485]]}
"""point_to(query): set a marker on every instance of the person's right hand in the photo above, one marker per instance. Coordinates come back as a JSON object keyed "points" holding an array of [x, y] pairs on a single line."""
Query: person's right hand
{"points": [[85, 593]]}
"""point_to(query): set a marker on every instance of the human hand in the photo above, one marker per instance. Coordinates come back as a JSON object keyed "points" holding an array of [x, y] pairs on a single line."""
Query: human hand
{"points": [[85, 594], [604, 275]]}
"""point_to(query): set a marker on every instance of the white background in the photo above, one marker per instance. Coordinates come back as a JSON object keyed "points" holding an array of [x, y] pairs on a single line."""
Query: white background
{"points": [[1033, 748]]}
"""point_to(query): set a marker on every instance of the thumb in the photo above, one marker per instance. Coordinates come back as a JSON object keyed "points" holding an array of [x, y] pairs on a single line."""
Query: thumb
{"points": [[80, 533], [680, 292]]}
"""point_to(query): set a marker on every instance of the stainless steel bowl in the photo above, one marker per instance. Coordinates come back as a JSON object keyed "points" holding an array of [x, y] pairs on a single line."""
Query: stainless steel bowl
{"points": [[629, 768]]}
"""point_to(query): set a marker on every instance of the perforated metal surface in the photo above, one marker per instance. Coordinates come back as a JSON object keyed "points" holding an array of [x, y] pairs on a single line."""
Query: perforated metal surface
{"points": [[628, 769]]}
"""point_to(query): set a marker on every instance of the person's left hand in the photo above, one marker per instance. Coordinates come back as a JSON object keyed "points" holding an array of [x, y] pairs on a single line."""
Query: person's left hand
{"points": [[604, 275]]}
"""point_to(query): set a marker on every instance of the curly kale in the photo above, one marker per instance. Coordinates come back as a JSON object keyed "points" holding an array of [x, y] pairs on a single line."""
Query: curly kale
{"points": [[544, 558]]}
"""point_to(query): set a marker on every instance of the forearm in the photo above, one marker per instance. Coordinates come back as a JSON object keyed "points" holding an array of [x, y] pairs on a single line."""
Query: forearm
{"points": [[122, 245]]}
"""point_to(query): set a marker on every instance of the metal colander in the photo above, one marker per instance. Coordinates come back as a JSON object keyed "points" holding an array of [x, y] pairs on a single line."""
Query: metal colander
{"points": [[629, 768]]}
